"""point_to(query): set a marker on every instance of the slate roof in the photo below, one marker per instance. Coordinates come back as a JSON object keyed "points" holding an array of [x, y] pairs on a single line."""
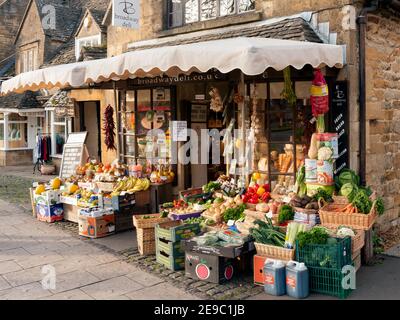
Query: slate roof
{"points": [[98, 16], [7, 67], [65, 54], [25, 100], [93, 53], [288, 29]]}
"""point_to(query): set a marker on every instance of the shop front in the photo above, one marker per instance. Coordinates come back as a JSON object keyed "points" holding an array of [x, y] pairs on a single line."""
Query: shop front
{"points": [[254, 141]]}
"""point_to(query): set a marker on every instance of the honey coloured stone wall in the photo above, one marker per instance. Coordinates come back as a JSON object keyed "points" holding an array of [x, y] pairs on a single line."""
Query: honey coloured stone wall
{"points": [[383, 112]]}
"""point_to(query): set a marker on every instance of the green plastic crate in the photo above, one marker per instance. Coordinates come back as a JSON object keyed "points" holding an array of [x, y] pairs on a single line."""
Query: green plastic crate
{"points": [[176, 231], [332, 256], [171, 262], [328, 281], [172, 248]]}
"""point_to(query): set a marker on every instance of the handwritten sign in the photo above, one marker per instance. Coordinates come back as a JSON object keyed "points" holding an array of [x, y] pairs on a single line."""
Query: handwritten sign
{"points": [[126, 13], [339, 107], [72, 157]]}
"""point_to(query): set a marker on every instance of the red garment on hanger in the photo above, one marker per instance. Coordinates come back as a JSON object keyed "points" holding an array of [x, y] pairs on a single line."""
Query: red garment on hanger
{"points": [[44, 148]]}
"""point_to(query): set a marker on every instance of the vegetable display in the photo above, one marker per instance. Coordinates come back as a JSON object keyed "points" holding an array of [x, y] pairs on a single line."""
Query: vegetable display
{"points": [[256, 194], [234, 213], [285, 213], [211, 187], [301, 187], [347, 176], [293, 229], [321, 193], [317, 235], [267, 233]]}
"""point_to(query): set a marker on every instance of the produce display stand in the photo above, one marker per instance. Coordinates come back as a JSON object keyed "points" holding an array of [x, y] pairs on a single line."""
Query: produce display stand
{"points": [[160, 193]]}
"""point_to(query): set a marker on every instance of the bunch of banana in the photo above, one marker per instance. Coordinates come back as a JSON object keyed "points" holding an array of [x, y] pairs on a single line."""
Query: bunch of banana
{"points": [[141, 184]]}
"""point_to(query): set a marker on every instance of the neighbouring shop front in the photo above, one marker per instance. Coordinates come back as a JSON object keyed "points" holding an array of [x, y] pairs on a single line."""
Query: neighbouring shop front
{"points": [[280, 189]]}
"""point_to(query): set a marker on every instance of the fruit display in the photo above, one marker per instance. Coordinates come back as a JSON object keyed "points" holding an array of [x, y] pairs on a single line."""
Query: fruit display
{"points": [[87, 199], [131, 185], [56, 183], [162, 175], [219, 206], [255, 194], [71, 189], [40, 189], [110, 173]]}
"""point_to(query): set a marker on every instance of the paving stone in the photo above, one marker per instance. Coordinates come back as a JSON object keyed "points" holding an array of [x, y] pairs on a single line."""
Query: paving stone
{"points": [[144, 278], [8, 266], [40, 260], [22, 277], [73, 280], [13, 254], [4, 284], [30, 291], [75, 294], [111, 270], [111, 288], [104, 257], [162, 291]]}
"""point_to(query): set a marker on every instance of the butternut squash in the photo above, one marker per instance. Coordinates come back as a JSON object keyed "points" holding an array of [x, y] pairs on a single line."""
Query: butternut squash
{"points": [[313, 151]]}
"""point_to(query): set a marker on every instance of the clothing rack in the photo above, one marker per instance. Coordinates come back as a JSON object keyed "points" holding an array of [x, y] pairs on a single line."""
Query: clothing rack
{"points": [[42, 150]]}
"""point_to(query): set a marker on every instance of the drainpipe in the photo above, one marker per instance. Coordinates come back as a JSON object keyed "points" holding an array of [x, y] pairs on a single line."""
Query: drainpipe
{"points": [[362, 23]]}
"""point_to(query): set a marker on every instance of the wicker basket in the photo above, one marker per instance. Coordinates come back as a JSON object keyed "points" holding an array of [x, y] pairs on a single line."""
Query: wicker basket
{"points": [[340, 200], [147, 247], [145, 234], [146, 241], [357, 242], [274, 252], [328, 215], [151, 222], [47, 169], [357, 260]]}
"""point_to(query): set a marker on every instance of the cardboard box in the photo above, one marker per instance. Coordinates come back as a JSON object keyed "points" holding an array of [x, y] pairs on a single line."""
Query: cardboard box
{"points": [[227, 252], [48, 198], [96, 227], [259, 277], [209, 268], [71, 200], [47, 213], [71, 212]]}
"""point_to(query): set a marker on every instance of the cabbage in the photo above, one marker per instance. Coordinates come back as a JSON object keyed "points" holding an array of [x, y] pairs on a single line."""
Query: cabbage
{"points": [[349, 190]]}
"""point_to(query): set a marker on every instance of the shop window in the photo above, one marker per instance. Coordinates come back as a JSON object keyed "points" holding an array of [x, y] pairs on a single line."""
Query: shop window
{"points": [[284, 132], [91, 41], [60, 127], [28, 60], [140, 112], [17, 131], [181, 12]]}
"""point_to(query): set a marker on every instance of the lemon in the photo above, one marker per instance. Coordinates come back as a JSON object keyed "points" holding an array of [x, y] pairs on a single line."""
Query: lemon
{"points": [[40, 189]]}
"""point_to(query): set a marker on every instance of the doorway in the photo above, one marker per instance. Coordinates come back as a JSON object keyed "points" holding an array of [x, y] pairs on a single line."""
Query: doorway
{"points": [[90, 122]]}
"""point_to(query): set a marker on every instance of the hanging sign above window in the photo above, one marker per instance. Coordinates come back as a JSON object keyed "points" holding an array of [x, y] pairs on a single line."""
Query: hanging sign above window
{"points": [[126, 13]]}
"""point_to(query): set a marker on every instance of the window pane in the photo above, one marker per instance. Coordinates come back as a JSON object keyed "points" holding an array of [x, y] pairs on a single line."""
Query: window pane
{"points": [[227, 7], [18, 135], [208, 9], [59, 119], [175, 13], [130, 101], [59, 136], [246, 5], [144, 100], [281, 121], [16, 117], [129, 145], [191, 11]]}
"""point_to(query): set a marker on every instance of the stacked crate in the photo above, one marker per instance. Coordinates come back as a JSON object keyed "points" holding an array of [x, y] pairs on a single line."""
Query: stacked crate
{"points": [[169, 249], [326, 266], [145, 233]]}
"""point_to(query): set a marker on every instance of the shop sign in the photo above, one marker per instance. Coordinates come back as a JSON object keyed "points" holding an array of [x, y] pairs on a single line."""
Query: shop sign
{"points": [[65, 111], [179, 131], [126, 13], [339, 107], [195, 77]]}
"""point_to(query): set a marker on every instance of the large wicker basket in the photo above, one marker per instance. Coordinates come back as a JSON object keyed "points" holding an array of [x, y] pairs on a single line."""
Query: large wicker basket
{"points": [[340, 200], [150, 222], [274, 252], [329, 215], [357, 242]]}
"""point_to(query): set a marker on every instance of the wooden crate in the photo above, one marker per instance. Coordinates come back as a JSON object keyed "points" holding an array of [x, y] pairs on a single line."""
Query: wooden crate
{"points": [[31, 193], [71, 213], [143, 198], [124, 219]]}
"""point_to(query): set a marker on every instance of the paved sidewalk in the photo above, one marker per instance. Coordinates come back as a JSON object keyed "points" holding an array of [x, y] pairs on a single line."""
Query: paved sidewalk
{"points": [[83, 270]]}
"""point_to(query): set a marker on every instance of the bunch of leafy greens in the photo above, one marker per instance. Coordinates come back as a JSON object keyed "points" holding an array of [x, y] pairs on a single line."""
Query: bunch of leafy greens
{"points": [[211, 187], [316, 235], [380, 207], [234, 213], [321, 193], [362, 202], [285, 213], [267, 233]]}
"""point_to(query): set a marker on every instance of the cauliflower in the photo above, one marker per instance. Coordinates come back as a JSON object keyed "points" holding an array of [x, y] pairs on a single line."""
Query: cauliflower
{"points": [[345, 231], [325, 153]]}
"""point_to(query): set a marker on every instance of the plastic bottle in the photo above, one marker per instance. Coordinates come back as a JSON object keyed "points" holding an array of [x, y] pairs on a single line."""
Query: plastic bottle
{"points": [[297, 280], [275, 275]]}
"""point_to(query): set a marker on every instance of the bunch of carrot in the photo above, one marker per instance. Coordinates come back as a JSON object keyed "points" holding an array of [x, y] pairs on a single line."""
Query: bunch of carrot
{"points": [[348, 209]]}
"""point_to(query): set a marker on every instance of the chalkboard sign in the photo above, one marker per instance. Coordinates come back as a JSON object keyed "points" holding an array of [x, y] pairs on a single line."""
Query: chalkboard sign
{"points": [[72, 157], [339, 109]]}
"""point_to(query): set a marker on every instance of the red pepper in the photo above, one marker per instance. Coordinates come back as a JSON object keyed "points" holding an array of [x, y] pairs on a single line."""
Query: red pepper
{"points": [[266, 187]]}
